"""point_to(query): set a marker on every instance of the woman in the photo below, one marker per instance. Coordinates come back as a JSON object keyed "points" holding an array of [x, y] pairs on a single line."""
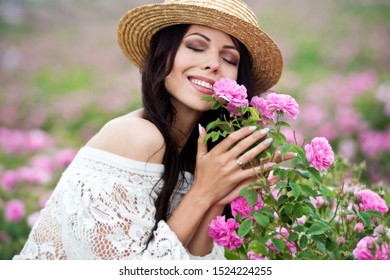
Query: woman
{"points": [[146, 187]]}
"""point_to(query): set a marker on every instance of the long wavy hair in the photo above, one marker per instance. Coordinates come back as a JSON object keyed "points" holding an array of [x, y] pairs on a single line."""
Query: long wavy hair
{"points": [[160, 111]]}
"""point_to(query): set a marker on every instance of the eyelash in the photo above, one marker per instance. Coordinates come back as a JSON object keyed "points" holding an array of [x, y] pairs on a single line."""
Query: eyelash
{"points": [[200, 50]]}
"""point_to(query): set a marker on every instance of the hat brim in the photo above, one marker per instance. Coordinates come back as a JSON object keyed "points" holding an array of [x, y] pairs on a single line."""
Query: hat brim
{"points": [[137, 27]]}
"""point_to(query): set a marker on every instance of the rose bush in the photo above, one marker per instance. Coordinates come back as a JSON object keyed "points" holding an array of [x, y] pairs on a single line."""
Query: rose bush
{"points": [[311, 207]]}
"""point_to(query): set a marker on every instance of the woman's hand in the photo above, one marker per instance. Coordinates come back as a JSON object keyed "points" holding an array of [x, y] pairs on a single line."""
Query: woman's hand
{"points": [[218, 172], [267, 167]]}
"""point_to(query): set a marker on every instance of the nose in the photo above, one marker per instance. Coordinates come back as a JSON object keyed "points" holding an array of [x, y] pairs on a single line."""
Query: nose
{"points": [[212, 63]]}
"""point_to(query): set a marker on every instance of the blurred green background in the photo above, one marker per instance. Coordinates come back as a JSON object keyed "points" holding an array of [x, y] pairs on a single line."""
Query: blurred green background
{"points": [[62, 76]]}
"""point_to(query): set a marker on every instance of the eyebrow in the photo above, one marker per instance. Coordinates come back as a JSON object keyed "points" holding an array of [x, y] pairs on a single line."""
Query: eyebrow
{"points": [[209, 40]]}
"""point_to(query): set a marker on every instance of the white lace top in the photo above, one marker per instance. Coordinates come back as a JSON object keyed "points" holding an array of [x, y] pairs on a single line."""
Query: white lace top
{"points": [[103, 208]]}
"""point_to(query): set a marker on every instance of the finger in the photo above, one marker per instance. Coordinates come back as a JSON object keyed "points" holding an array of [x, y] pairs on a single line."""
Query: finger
{"points": [[249, 141], [251, 154], [263, 168], [202, 148], [233, 138], [287, 156], [274, 180]]}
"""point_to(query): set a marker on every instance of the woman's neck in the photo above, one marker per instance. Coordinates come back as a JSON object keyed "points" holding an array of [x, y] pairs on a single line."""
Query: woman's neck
{"points": [[183, 126]]}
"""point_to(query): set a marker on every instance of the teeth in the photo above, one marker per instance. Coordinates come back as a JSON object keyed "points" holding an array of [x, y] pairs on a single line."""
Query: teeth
{"points": [[201, 83]]}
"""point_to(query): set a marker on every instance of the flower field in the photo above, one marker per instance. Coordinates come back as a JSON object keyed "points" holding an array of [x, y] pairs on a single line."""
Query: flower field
{"points": [[63, 76]]}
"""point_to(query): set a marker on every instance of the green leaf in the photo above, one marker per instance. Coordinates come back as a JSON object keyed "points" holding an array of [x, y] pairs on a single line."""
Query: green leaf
{"points": [[303, 241], [280, 185], [304, 173], [251, 197], [326, 192], [279, 244], [215, 106], [268, 212], [244, 228], [209, 98], [296, 189], [289, 209], [309, 190], [366, 218], [282, 123], [262, 220], [293, 237], [231, 255], [214, 136], [316, 229], [320, 242], [282, 199], [374, 213], [316, 174], [298, 210], [285, 149]]}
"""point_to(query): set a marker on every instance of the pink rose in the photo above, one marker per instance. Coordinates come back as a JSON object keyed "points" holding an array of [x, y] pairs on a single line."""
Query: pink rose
{"points": [[240, 205], [223, 233], [372, 201], [259, 104], [235, 94], [366, 245], [9, 180], [37, 140], [64, 157], [281, 102], [319, 153], [14, 210], [359, 228]]}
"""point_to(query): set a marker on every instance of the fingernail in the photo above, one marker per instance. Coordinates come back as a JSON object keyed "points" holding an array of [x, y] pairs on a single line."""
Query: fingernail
{"points": [[252, 128], [295, 154], [200, 128], [264, 131], [267, 141], [269, 165]]}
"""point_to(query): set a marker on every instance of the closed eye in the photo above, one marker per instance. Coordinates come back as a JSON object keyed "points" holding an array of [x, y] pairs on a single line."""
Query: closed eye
{"points": [[232, 62], [195, 49]]}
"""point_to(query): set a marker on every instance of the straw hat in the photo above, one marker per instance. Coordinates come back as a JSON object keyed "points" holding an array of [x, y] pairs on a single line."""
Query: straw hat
{"points": [[234, 17]]}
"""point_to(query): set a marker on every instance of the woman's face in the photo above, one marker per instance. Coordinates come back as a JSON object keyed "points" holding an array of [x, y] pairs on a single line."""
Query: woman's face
{"points": [[204, 56]]}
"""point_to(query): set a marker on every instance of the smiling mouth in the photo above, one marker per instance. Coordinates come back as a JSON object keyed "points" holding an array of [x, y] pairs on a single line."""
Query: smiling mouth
{"points": [[202, 83]]}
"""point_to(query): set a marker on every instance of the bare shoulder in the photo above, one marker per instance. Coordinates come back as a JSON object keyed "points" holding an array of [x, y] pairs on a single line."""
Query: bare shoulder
{"points": [[131, 137]]}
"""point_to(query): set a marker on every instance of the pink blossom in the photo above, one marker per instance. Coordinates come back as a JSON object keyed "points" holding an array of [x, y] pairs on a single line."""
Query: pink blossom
{"points": [[282, 102], [37, 140], [259, 104], [341, 240], [235, 94], [319, 153], [283, 234], [319, 201], [42, 162], [34, 175], [253, 256], [275, 102], [302, 220], [366, 245], [372, 201], [374, 142], [14, 210], [33, 218], [64, 157], [359, 228], [240, 205], [381, 230], [9, 180], [224, 234]]}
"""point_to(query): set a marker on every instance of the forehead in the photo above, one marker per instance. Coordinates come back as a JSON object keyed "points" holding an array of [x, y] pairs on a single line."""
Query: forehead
{"points": [[209, 32]]}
